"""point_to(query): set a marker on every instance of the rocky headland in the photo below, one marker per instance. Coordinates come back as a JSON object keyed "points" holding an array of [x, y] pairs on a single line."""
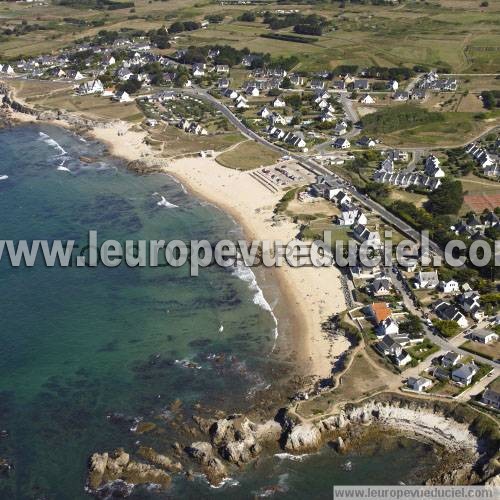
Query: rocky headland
{"points": [[467, 441]]}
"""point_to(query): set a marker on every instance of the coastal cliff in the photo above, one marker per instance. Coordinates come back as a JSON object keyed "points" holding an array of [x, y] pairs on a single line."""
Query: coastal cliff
{"points": [[467, 442]]}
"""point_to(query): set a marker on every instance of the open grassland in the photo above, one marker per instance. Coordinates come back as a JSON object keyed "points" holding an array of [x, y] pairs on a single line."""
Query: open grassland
{"points": [[173, 142], [456, 129], [491, 351], [449, 34], [479, 194], [247, 156]]}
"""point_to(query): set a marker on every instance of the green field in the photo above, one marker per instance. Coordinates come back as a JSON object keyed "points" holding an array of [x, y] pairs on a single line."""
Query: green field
{"points": [[247, 156], [453, 34]]}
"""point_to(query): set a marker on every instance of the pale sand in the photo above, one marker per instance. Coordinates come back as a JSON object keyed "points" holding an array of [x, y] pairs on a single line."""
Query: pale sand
{"points": [[314, 293], [311, 294]]}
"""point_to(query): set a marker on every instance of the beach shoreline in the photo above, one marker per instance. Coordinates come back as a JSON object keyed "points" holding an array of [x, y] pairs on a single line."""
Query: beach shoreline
{"points": [[308, 296]]}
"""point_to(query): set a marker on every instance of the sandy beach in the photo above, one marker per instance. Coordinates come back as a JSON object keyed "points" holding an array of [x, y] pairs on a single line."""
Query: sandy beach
{"points": [[309, 295]]}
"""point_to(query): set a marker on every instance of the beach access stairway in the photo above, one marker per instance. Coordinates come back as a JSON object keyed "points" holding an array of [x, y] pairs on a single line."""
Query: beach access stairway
{"points": [[264, 181]]}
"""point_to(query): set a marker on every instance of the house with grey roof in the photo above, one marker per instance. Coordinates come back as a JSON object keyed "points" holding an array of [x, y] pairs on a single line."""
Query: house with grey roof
{"points": [[451, 359], [484, 336], [463, 375], [448, 312], [491, 397], [427, 279], [419, 384]]}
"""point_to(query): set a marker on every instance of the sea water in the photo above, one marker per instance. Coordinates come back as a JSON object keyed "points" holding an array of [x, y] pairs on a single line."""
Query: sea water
{"points": [[88, 353]]}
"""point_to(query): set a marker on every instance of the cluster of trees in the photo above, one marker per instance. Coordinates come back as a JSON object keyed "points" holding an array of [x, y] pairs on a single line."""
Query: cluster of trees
{"points": [[247, 17], [308, 29], [96, 4], [285, 37], [160, 38], [447, 198], [399, 118], [131, 86], [383, 73], [215, 18], [491, 99], [22, 29], [229, 55], [309, 25], [180, 26], [411, 326], [446, 328]]}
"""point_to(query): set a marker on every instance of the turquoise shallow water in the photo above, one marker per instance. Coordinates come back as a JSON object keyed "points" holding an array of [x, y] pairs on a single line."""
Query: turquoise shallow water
{"points": [[78, 344]]}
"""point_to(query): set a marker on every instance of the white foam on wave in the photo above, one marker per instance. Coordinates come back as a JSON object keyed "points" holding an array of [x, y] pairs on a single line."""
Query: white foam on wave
{"points": [[163, 202], [246, 274], [294, 458], [3, 177], [62, 168], [51, 142]]}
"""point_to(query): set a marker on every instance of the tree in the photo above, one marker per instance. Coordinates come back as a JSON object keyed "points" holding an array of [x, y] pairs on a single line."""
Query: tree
{"points": [[447, 198], [131, 86], [247, 17], [294, 101], [215, 18], [412, 326], [446, 328], [286, 83]]}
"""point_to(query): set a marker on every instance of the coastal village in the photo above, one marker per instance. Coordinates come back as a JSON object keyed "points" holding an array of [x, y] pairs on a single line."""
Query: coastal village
{"points": [[317, 147]]}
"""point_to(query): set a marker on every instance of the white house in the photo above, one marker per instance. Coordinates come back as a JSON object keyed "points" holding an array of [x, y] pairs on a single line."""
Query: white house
{"points": [[382, 286], [264, 113], [484, 336], [367, 99], [122, 96], [388, 327], [419, 384], [363, 234], [450, 286], [451, 359], [464, 374], [427, 279], [393, 85], [340, 128], [91, 87], [341, 143], [432, 168], [491, 397], [279, 103], [450, 313], [7, 69], [253, 91], [351, 216]]}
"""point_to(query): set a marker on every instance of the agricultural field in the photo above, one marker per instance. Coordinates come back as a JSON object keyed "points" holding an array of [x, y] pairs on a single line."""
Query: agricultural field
{"points": [[442, 34]]}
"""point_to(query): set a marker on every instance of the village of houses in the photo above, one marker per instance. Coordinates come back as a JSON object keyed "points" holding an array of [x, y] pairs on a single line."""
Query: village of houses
{"points": [[384, 301]]}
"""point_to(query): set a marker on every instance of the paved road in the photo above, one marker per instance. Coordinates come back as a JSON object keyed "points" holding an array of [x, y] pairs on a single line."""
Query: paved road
{"points": [[316, 168], [443, 343]]}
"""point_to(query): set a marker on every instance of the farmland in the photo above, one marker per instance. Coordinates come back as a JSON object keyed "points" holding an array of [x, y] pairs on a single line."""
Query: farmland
{"points": [[444, 35]]}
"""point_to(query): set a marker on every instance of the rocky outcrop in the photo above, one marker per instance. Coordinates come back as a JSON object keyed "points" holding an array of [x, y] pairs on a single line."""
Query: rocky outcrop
{"points": [[162, 461], [118, 468], [203, 453], [239, 440], [303, 437]]}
